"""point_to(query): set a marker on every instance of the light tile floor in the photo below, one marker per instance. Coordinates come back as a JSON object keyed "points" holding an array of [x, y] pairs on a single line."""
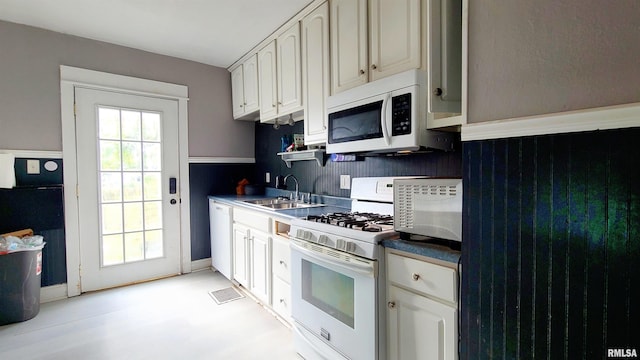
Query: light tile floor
{"points": [[172, 318]]}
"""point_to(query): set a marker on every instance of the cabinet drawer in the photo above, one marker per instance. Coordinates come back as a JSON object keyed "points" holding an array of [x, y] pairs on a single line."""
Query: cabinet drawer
{"points": [[253, 219], [424, 277], [282, 298], [281, 259]]}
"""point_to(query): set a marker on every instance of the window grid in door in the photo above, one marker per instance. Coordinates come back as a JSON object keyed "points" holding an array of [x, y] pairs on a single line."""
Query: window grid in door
{"points": [[130, 185]]}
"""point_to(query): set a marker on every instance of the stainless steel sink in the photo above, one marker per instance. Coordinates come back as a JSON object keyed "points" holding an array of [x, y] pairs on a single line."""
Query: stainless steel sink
{"points": [[281, 204]]}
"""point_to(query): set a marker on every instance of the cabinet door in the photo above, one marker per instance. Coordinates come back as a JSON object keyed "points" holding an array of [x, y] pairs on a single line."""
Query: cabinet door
{"points": [[395, 41], [281, 259], [240, 255], [315, 70], [237, 92], [260, 265], [267, 87], [250, 84], [288, 71], [349, 37], [420, 328]]}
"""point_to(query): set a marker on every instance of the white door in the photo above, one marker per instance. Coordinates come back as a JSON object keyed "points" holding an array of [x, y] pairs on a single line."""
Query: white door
{"points": [[128, 200]]}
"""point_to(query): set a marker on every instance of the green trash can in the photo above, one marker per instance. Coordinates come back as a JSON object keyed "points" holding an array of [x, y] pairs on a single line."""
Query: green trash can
{"points": [[20, 285]]}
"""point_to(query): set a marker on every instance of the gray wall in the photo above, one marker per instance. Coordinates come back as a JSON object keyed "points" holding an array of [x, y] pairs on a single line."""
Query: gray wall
{"points": [[30, 90], [537, 57]]}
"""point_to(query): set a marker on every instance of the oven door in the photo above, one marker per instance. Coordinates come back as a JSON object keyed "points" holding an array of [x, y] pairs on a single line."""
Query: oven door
{"points": [[334, 296]]}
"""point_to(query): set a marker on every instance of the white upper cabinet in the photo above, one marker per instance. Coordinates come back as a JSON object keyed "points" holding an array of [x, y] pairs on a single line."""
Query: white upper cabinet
{"points": [[267, 82], [279, 76], [315, 74], [349, 38], [394, 37], [289, 71], [244, 90], [374, 39]]}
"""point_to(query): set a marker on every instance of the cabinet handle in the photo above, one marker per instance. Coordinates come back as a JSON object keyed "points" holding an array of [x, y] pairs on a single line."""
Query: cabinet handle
{"points": [[374, 66], [282, 262], [391, 304], [415, 276], [362, 71]]}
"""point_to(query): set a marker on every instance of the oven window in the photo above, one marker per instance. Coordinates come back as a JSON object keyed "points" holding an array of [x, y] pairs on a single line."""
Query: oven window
{"points": [[329, 291], [359, 123]]}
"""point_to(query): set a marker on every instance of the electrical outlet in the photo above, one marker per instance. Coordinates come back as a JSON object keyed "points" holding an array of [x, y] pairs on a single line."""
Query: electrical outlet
{"points": [[345, 182], [33, 166], [267, 177]]}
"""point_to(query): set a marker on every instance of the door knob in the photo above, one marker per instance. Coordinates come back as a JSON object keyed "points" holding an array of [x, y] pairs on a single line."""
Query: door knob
{"points": [[173, 201]]}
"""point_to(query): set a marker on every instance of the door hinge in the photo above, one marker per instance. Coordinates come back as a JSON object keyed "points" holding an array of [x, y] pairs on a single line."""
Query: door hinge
{"points": [[77, 190], [74, 109]]}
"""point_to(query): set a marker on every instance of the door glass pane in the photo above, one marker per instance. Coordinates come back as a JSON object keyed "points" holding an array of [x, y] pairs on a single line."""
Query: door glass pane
{"points": [[133, 218], [130, 125], [153, 244], [152, 158], [109, 123], [131, 156], [134, 246], [111, 184], [152, 215], [130, 186], [111, 218], [112, 250], [150, 127], [109, 155], [152, 186]]}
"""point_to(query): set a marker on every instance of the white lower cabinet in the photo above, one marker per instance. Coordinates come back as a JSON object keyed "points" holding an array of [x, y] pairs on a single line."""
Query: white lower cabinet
{"points": [[240, 255], [252, 252], [261, 258], [421, 310]]}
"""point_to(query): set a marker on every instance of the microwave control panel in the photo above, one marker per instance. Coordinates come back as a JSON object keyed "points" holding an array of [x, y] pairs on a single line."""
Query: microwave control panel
{"points": [[401, 114]]}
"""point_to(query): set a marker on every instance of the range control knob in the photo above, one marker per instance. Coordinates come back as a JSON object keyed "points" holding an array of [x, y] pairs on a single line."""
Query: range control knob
{"points": [[323, 239]]}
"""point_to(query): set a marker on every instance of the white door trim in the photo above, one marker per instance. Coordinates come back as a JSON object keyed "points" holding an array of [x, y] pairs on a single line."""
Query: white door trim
{"points": [[70, 78]]}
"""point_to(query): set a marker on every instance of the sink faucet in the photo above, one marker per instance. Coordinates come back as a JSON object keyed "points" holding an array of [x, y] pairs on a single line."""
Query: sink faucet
{"points": [[295, 180]]}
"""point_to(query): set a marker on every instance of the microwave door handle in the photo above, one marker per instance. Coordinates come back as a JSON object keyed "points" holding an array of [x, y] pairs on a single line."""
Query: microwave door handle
{"points": [[384, 118]]}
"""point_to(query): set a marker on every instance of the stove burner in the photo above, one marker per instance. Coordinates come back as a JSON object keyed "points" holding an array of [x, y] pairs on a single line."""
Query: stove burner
{"points": [[364, 221]]}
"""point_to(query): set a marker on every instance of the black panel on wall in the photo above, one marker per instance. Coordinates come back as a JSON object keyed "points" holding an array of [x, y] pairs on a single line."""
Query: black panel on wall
{"points": [[326, 180], [40, 209], [551, 230], [205, 180]]}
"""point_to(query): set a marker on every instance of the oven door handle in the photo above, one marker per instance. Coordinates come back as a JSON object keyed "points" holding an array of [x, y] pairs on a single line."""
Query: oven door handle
{"points": [[359, 268], [313, 346]]}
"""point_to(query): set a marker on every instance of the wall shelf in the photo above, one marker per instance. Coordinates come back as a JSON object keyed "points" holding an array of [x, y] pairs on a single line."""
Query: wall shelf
{"points": [[314, 154]]}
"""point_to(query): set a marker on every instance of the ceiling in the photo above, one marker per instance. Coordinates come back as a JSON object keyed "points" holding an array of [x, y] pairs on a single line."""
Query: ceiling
{"points": [[214, 32]]}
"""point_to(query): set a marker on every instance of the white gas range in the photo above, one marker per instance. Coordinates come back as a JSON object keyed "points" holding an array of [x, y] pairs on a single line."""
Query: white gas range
{"points": [[338, 276]]}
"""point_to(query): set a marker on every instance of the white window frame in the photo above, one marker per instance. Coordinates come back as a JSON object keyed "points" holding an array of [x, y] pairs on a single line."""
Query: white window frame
{"points": [[72, 77]]}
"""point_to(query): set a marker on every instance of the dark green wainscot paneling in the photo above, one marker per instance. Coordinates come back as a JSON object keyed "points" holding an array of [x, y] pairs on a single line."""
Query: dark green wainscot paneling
{"points": [[551, 246]]}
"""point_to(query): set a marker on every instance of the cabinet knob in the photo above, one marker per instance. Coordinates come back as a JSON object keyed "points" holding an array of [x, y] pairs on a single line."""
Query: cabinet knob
{"points": [[391, 304], [415, 276], [273, 105], [362, 71], [240, 105], [437, 92], [245, 103], [282, 262], [279, 102], [374, 66]]}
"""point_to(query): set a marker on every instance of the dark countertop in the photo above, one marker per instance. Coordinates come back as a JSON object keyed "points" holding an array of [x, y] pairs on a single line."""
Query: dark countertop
{"points": [[436, 251], [335, 204]]}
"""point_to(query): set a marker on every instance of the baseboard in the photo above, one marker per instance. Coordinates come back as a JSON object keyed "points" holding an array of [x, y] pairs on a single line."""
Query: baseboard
{"points": [[201, 264], [59, 291], [53, 293]]}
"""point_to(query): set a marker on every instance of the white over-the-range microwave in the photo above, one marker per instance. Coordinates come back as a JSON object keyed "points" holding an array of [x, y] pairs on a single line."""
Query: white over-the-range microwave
{"points": [[386, 115]]}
